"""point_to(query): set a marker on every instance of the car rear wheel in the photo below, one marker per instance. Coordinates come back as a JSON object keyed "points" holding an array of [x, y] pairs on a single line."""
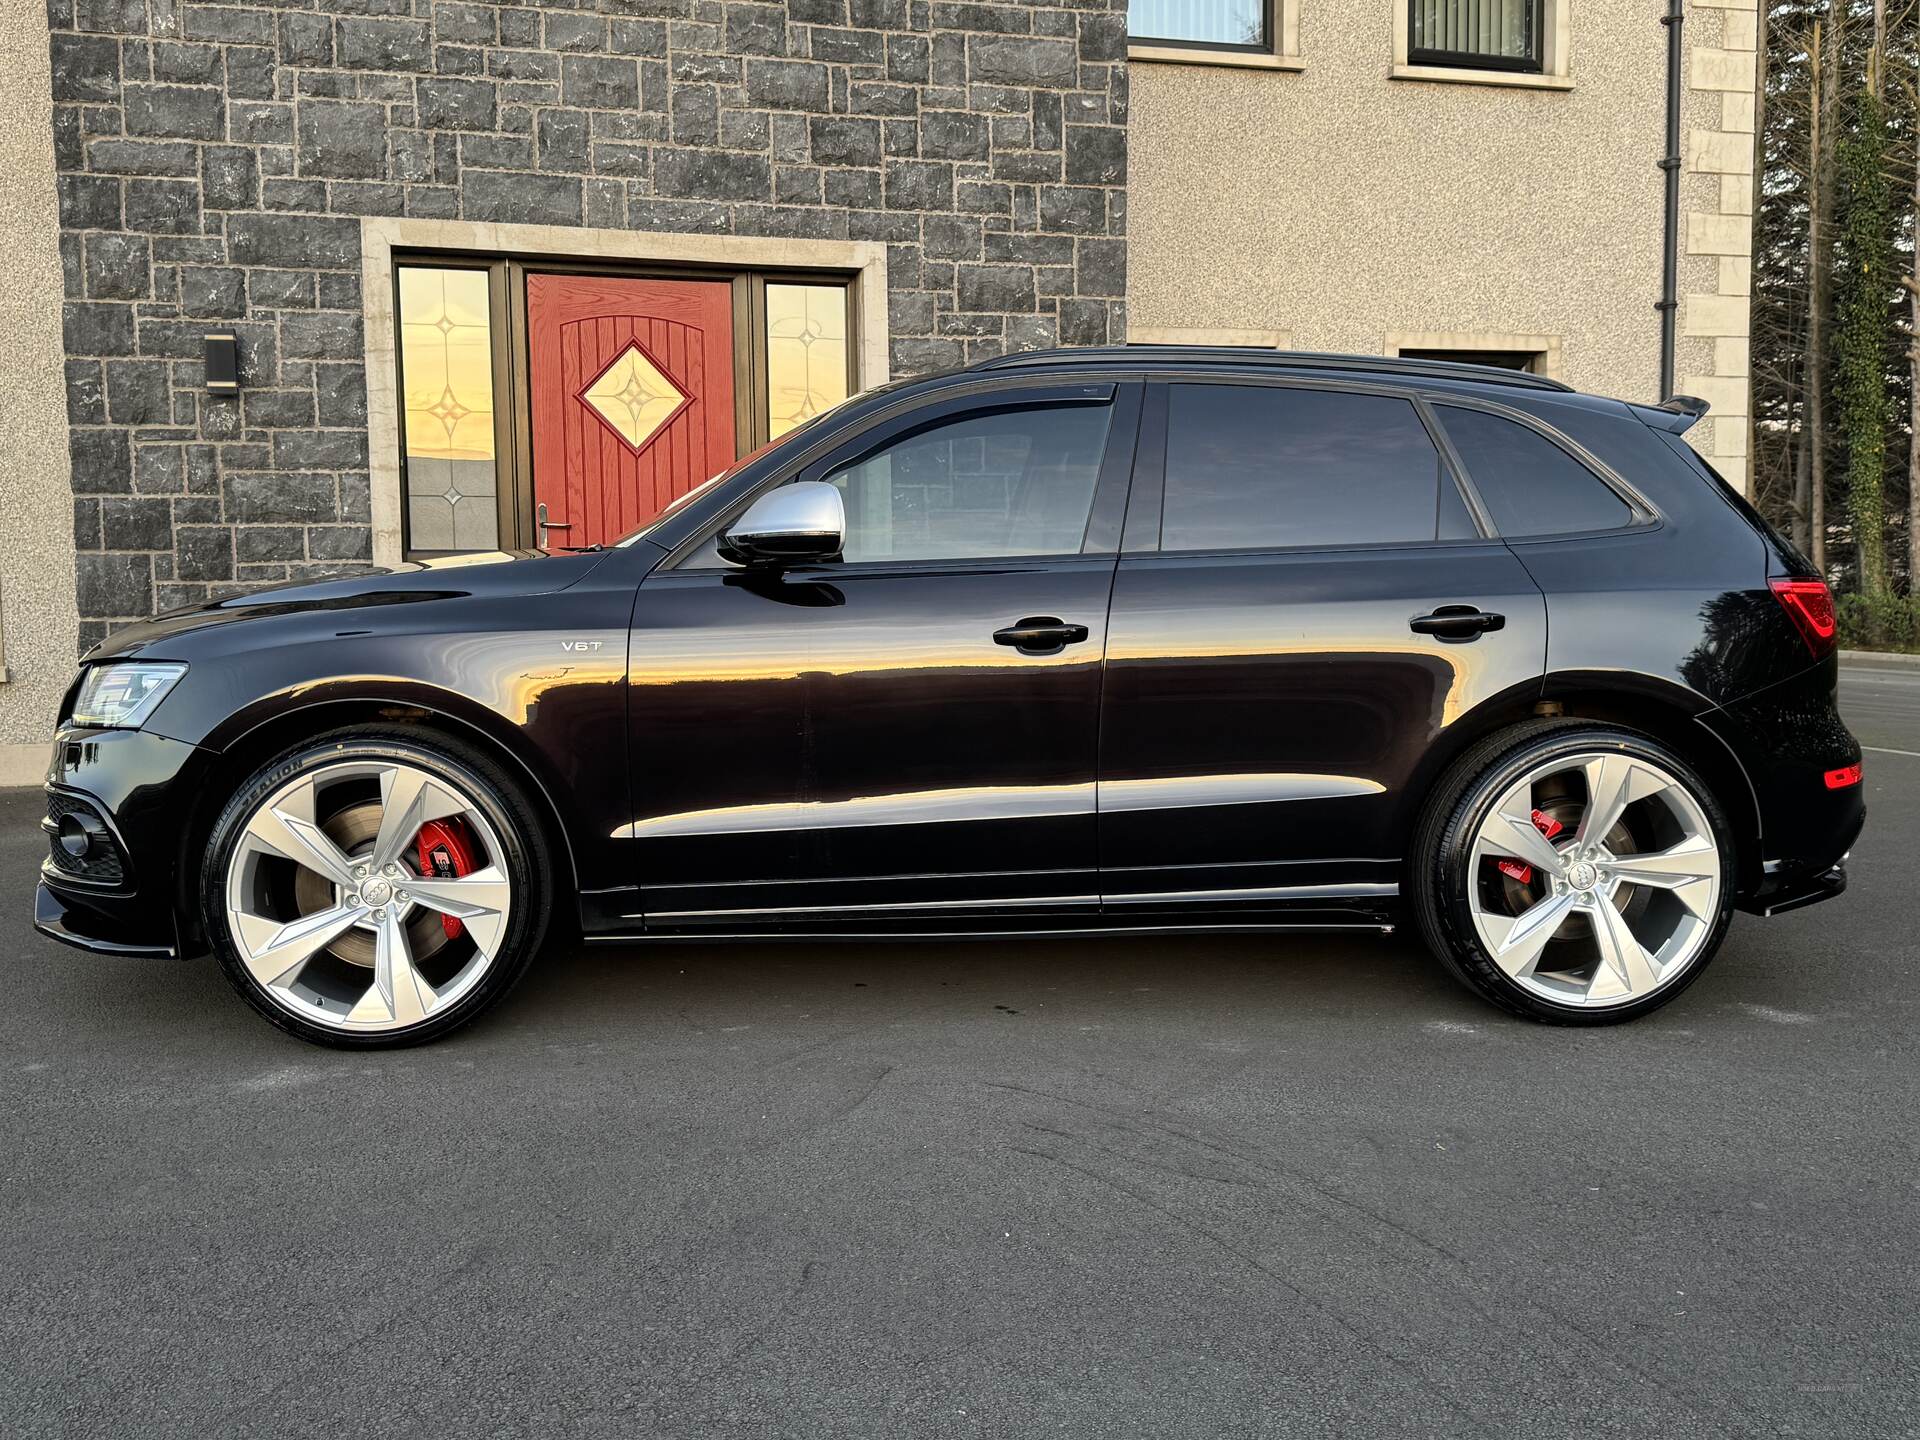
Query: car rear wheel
{"points": [[375, 889], [1574, 873]]}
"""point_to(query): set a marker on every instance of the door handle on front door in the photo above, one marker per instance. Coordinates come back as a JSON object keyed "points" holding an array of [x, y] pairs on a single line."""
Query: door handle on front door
{"points": [[1040, 635], [1457, 622], [540, 519]]}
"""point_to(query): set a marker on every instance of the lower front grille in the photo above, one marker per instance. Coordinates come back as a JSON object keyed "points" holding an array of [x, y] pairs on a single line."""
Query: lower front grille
{"points": [[80, 843]]}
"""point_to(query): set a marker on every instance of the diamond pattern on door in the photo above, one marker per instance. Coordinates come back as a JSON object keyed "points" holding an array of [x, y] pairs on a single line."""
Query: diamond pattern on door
{"points": [[631, 392], [634, 397]]}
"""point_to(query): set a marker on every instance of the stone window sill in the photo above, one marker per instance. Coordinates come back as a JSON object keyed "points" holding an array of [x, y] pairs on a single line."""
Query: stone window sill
{"points": [[1451, 75], [1225, 59]]}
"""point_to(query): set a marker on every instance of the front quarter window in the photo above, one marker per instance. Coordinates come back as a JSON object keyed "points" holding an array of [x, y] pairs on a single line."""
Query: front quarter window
{"points": [[1007, 483]]}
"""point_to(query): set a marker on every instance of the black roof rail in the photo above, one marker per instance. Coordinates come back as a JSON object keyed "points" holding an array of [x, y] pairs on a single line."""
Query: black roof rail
{"points": [[1255, 358]]}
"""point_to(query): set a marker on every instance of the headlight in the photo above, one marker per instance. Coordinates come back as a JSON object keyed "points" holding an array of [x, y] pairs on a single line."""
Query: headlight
{"points": [[121, 696]]}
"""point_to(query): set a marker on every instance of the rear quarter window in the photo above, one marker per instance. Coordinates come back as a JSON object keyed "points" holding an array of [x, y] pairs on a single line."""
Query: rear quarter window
{"points": [[1274, 467], [1530, 485]]}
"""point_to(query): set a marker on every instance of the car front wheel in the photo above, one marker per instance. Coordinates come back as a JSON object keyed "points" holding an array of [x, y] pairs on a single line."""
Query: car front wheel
{"points": [[1574, 873], [373, 889]]}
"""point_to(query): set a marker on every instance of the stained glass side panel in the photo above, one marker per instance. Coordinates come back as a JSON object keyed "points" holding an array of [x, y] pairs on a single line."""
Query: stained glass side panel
{"points": [[446, 367], [806, 353]]}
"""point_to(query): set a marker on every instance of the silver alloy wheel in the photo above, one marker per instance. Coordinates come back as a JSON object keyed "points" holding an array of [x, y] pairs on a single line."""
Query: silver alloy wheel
{"points": [[1632, 949], [374, 889]]}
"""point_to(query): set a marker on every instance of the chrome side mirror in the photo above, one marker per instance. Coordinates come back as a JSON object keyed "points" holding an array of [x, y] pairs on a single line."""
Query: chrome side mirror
{"points": [[795, 523]]}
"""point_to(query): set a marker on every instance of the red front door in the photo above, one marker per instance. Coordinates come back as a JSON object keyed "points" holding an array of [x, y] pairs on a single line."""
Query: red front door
{"points": [[631, 387]]}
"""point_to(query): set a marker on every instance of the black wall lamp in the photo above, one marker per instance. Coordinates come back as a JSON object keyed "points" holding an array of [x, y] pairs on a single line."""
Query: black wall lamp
{"points": [[223, 361]]}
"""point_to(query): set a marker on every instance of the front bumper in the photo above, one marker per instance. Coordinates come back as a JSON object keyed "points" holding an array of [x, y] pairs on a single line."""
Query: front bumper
{"points": [[89, 927], [139, 794]]}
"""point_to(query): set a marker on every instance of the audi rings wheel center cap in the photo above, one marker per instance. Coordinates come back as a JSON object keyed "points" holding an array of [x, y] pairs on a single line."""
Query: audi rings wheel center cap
{"points": [[376, 893], [1583, 875]]}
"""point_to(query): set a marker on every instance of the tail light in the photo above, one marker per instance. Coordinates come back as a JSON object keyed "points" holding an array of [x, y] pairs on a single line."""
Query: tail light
{"points": [[1809, 604], [1845, 776]]}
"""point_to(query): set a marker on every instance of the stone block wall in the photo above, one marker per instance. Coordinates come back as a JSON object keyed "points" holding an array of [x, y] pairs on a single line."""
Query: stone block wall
{"points": [[214, 161]]}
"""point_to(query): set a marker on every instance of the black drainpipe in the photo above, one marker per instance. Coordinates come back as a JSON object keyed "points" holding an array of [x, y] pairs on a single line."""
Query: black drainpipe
{"points": [[1669, 303]]}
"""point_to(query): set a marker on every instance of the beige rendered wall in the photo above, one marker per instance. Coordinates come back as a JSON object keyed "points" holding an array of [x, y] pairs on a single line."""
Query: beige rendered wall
{"points": [[1348, 210], [38, 629]]}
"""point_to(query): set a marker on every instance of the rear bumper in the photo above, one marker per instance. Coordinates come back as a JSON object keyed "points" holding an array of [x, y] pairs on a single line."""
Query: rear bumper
{"points": [[1784, 891], [1787, 738]]}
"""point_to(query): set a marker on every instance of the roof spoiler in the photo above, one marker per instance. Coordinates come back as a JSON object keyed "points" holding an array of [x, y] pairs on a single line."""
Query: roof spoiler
{"points": [[1676, 416]]}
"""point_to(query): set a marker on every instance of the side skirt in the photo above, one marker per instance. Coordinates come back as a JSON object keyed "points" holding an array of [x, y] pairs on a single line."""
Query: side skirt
{"points": [[1373, 926]]}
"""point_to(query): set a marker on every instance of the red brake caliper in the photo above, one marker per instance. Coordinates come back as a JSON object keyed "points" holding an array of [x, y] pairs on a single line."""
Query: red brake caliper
{"points": [[1519, 869], [446, 852]]}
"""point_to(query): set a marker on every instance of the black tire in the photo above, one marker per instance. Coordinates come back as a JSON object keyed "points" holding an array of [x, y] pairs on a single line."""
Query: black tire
{"points": [[1440, 860], [526, 862]]}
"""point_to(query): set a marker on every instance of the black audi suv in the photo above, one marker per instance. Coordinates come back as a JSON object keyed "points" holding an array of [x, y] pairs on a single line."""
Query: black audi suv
{"points": [[1134, 639]]}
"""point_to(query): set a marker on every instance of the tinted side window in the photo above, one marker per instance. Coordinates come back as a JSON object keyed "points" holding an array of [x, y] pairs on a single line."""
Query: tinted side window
{"points": [[1265, 467], [1017, 482], [1531, 485]]}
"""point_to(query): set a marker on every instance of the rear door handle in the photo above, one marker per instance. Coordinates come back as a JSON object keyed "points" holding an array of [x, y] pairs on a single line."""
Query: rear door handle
{"points": [[1040, 635], [1457, 622]]}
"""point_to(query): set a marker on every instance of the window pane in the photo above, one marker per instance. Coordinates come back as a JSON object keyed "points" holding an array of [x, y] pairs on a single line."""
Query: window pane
{"points": [[1262, 467], [1015, 483], [446, 368], [806, 353], [1485, 29], [1531, 485], [1212, 22]]}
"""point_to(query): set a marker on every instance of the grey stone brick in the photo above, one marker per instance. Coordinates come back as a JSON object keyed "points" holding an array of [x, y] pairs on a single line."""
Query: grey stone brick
{"points": [[273, 495], [281, 289], [342, 139], [191, 112], [85, 67], [213, 292], [756, 30], [340, 542], [251, 71], [256, 543], [787, 84], [168, 207], [505, 196], [319, 335], [137, 392], [306, 39], [229, 177], [118, 266], [845, 141], [319, 450], [128, 524], [114, 585], [86, 393], [102, 462], [919, 185], [98, 329], [1102, 267], [89, 202], [303, 240], [204, 552], [143, 157], [711, 175], [599, 82], [367, 43], [1096, 154], [458, 104]]}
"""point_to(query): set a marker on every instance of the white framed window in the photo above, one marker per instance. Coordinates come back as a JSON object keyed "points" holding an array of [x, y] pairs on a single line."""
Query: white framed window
{"points": [[1533, 354], [1483, 42], [1259, 33]]}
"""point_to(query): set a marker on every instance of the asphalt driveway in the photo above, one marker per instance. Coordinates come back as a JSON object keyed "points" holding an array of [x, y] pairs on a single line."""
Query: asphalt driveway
{"points": [[1207, 1187]]}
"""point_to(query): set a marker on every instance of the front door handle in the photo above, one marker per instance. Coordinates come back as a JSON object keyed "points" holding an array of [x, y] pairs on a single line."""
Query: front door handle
{"points": [[1457, 622], [541, 520], [1040, 635]]}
